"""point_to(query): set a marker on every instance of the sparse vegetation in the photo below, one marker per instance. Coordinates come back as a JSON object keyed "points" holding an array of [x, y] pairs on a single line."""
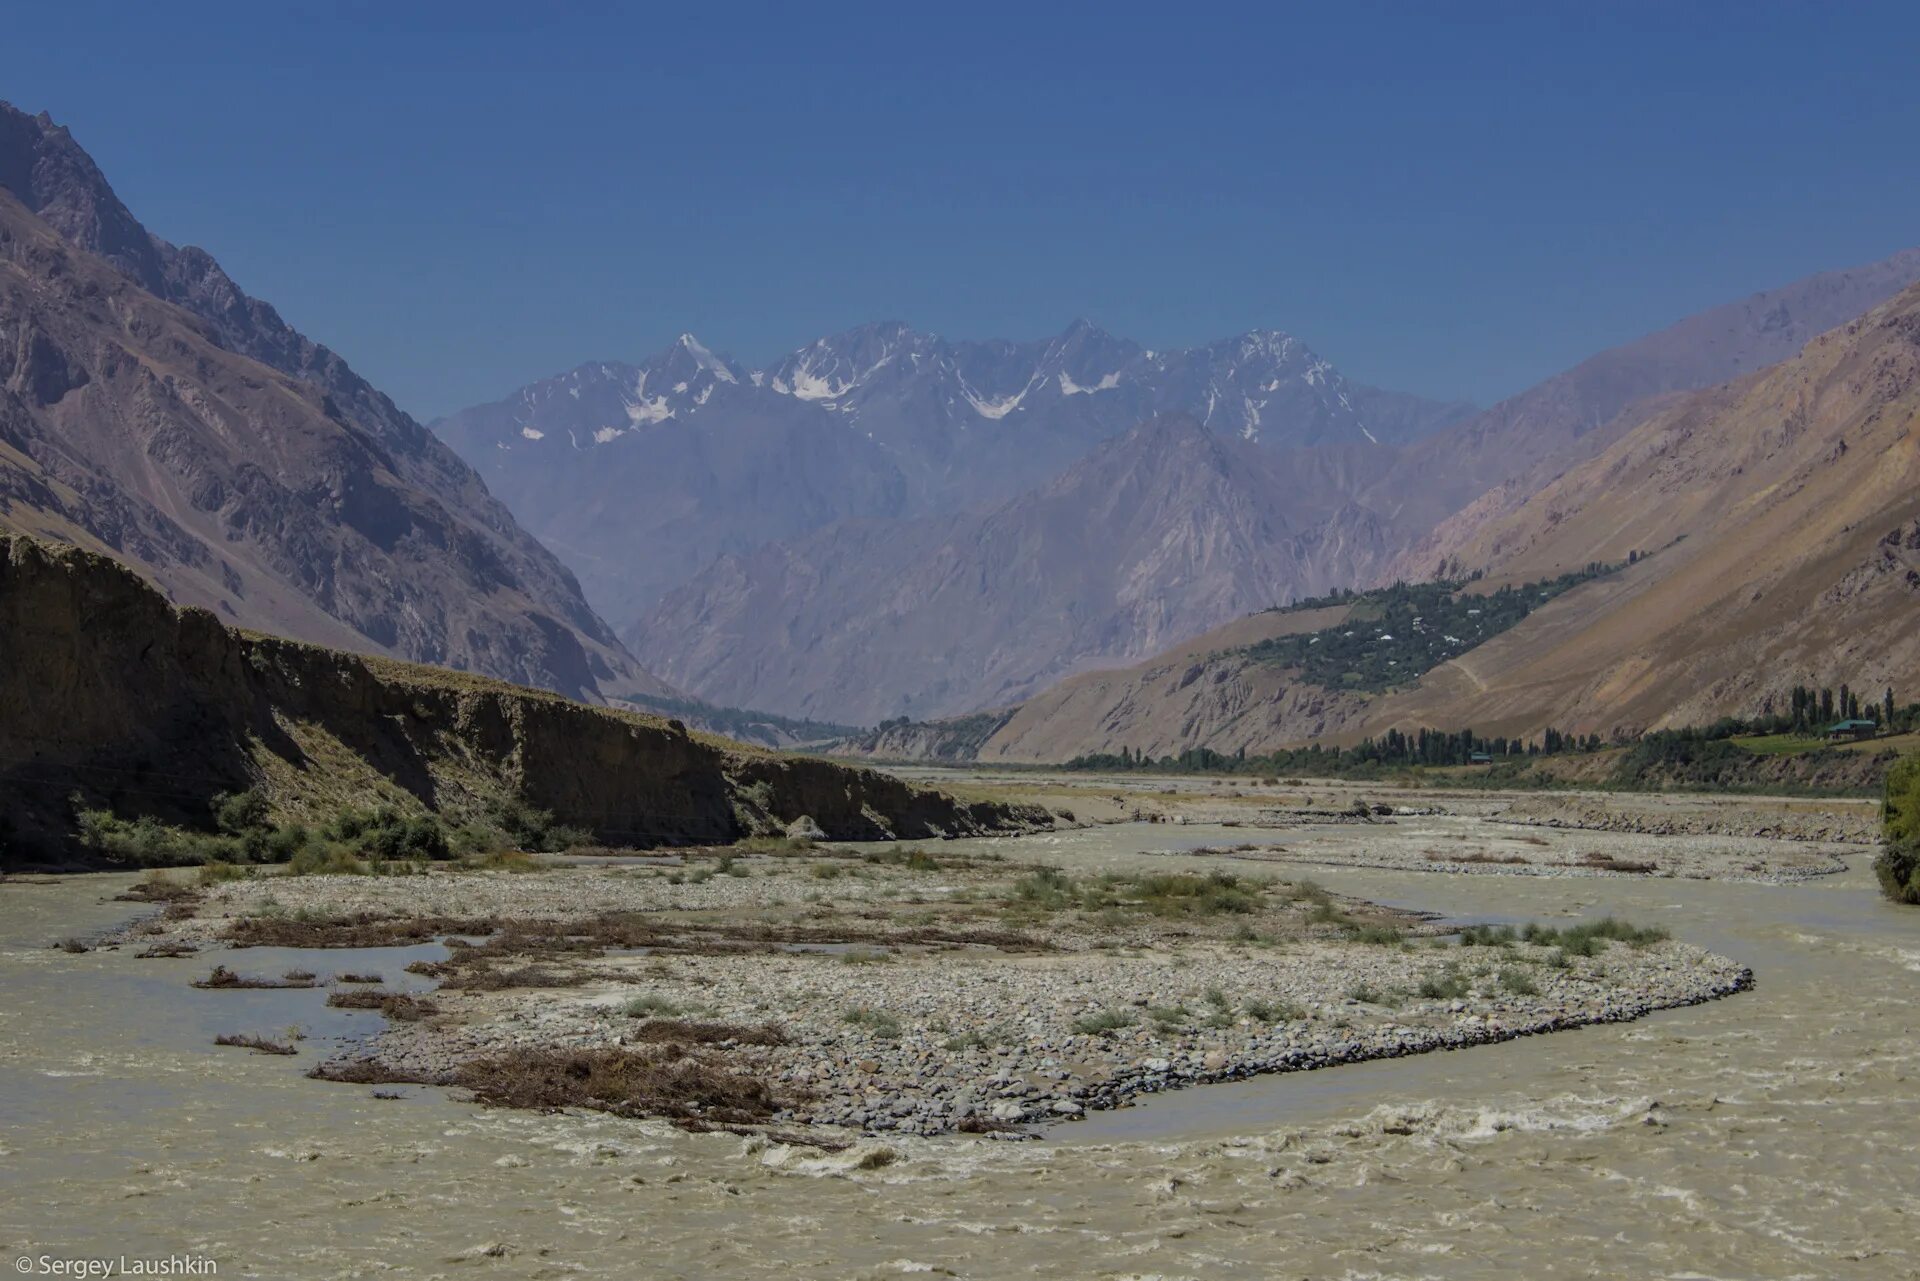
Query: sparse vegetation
{"points": [[1449, 986], [1586, 939], [1262, 1011], [1517, 983], [877, 1023], [1101, 1022], [1378, 935], [1166, 894]]}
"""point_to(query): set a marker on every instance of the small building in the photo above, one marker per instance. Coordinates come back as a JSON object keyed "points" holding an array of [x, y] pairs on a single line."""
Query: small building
{"points": [[1480, 758], [1849, 730]]}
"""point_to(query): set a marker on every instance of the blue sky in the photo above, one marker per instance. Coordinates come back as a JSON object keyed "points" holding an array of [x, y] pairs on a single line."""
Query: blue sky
{"points": [[1456, 199]]}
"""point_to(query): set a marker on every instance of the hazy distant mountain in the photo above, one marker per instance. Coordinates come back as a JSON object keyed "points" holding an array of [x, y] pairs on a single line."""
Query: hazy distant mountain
{"points": [[1523, 442], [1339, 515], [639, 475], [1782, 514], [151, 409], [1158, 534]]}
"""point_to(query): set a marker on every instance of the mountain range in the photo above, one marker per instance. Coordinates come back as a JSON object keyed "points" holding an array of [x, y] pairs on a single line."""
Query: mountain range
{"points": [[151, 409], [892, 613], [1767, 532], [1068, 543], [641, 475]]}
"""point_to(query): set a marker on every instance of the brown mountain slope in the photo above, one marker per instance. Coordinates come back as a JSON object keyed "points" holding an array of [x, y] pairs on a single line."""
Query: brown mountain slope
{"points": [[1783, 517], [1784, 507], [150, 408], [1205, 691], [1521, 443]]}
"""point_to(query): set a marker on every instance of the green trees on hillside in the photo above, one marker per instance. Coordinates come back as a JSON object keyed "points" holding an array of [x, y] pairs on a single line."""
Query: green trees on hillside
{"points": [[1396, 634], [1810, 708], [1393, 749]]}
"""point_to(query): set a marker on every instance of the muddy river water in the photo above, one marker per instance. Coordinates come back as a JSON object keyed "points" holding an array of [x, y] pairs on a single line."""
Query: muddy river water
{"points": [[1774, 1134]]}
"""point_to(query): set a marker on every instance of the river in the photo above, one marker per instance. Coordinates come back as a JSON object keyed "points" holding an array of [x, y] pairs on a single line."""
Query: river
{"points": [[1769, 1135]]}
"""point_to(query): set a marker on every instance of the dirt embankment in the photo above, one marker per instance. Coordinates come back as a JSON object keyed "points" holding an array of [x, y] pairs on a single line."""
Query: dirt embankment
{"points": [[109, 692]]}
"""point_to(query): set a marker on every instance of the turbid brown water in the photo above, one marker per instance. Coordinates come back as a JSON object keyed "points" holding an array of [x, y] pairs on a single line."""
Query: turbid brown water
{"points": [[1769, 1135]]}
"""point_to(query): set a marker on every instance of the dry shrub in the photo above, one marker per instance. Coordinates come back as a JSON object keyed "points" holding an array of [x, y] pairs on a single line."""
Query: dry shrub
{"points": [[488, 979], [159, 889], [360, 930], [398, 1006], [1437, 856], [633, 1083], [258, 1044], [224, 979], [690, 1032], [1608, 863], [373, 1072]]}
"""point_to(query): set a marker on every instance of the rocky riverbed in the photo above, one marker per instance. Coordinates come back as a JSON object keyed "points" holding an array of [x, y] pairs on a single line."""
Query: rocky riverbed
{"points": [[915, 990], [1422, 841]]}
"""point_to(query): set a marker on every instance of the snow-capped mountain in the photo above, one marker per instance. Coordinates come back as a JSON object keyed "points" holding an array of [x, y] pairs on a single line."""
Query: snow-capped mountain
{"points": [[640, 474]]}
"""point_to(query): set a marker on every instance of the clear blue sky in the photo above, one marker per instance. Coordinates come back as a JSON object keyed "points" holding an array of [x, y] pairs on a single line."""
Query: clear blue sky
{"points": [[1451, 199]]}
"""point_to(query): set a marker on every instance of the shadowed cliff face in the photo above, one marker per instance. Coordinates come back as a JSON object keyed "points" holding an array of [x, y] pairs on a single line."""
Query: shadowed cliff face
{"points": [[152, 409], [110, 692]]}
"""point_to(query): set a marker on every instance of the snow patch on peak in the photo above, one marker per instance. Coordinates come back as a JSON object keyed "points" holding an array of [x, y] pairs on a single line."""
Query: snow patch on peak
{"points": [[533, 433], [642, 408], [606, 434], [807, 385], [1068, 387], [705, 359], [993, 408]]}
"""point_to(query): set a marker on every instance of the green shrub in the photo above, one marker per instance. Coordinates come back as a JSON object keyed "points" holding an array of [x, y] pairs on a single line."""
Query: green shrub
{"points": [[1487, 936], [1447, 987], [1101, 1022], [1517, 982], [1898, 864], [147, 842], [325, 860], [1379, 935], [1275, 1011], [878, 1023], [1588, 938], [1185, 894], [238, 812]]}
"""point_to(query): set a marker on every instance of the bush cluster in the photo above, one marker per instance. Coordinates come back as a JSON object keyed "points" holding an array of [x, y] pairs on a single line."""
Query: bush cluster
{"points": [[1898, 865], [353, 840]]}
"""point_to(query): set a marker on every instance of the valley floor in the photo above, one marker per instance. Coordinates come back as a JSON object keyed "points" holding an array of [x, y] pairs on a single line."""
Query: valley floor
{"points": [[986, 986], [517, 1057]]}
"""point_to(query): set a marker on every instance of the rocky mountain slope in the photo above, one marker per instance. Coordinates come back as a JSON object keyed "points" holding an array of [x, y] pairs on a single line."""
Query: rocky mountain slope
{"points": [[640, 475], [1112, 561], [1776, 521], [151, 409], [1787, 510], [117, 697], [1496, 460]]}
